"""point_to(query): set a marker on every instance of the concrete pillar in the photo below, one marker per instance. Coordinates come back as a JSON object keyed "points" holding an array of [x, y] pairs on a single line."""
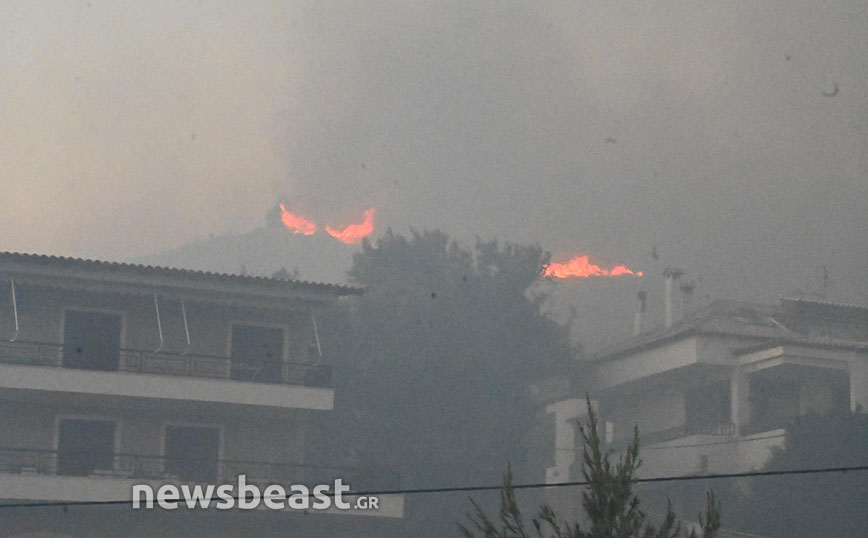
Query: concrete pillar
{"points": [[739, 399], [859, 381], [567, 413]]}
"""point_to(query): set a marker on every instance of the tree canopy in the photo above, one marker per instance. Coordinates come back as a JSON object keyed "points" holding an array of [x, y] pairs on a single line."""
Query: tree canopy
{"points": [[805, 506], [611, 508], [434, 362]]}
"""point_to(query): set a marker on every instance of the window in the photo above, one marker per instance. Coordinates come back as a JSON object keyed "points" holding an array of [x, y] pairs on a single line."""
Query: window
{"points": [[85, 446], [257, 353], [778, 395], [192, 453], [92, 340], [708, 409]]}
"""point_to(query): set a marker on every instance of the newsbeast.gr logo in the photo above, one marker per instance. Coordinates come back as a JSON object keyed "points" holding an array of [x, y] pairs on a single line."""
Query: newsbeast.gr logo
{"points": [[246, 496]]}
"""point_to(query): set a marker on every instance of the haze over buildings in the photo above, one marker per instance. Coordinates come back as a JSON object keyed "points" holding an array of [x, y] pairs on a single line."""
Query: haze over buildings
{"points": [[719, 143], [730, 135]]}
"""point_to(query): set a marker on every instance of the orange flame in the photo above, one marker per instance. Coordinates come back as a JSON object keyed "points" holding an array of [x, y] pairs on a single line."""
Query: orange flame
{"points": [[296, 223], [354, 232], [581, 267]]}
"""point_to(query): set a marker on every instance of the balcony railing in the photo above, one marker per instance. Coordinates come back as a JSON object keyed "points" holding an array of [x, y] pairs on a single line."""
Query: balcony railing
{"points": [[177, 364], [25, 461], [764, 424], [727, 428], [677, 432]]}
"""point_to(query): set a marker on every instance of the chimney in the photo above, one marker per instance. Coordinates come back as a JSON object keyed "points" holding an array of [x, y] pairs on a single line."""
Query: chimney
{"points": [[687, 297], [640, 313], [672, 276]]}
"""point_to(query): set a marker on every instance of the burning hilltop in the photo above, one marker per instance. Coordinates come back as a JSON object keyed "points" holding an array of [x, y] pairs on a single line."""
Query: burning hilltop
{"points": [[350, 235], [320, 248], [290, 240], [581, 267]]}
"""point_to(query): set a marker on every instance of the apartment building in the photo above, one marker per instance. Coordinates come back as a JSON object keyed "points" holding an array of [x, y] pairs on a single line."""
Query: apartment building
{"points": [[712, 391], [116, 374]]}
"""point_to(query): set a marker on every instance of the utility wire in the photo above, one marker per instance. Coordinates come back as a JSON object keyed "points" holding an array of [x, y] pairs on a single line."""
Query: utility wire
{"points": [[711, 443], [714, 443], [460, 489]]}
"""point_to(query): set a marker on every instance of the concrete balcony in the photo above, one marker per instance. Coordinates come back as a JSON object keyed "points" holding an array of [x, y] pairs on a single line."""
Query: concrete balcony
{"points": [[34, 475], [702, 451], [34, 371]]}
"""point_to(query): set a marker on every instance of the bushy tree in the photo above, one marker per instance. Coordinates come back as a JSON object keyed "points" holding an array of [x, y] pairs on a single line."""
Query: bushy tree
{"points": [[433, 364], [611, 507], [805, 506]]}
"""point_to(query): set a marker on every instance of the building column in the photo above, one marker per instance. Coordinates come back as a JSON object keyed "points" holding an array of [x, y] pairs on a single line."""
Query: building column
{"points": [[566, 412], [739, 399], [859, 382]]}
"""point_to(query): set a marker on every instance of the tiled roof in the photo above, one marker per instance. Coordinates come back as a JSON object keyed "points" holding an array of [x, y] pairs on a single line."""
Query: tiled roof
{"points": [[734, 318], [806, 304], [181, 276]]}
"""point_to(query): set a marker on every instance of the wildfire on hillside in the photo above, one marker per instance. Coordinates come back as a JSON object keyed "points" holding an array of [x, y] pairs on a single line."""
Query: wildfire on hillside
{"points": [[351, 234], [354, 232], [296, 223], [581, 267]]}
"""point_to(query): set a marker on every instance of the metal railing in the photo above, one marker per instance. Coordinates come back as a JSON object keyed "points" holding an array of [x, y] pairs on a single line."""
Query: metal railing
{"points": [[27, 461], [765, 424], [677, 432], [727, 428], [176, 364]]}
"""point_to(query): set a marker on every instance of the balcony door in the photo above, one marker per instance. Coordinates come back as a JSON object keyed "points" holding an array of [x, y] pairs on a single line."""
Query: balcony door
{"points": [[91, 340], [708, 409], [192, 453], [85, 446], [257, 353]]}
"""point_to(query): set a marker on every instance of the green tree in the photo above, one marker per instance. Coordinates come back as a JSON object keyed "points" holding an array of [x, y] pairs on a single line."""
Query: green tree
{"points": [[433, 365], [611, 507], [805, 506]]}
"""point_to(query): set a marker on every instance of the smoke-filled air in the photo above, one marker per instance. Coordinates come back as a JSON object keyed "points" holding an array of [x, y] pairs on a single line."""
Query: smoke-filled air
{"points": [[501, 268]]}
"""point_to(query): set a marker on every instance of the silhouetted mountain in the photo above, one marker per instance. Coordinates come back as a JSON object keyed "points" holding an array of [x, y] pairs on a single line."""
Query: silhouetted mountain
{"points": [[262, 252], [603, 306]]}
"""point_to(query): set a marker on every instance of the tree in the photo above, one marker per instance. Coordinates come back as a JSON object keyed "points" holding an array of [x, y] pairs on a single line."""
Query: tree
{"points": [[611, 507], [806, 506], [433, 364]]}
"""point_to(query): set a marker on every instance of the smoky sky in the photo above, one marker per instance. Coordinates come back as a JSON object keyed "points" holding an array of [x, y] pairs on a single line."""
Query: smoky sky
{"points": [[732, 135]]}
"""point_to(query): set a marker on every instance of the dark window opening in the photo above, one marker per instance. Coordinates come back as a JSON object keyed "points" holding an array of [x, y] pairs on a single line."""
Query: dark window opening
{"points": [[708, 409], [192, 453], [779, 395], [85, 446], [774, 401], [92, 340], [257, 354]]}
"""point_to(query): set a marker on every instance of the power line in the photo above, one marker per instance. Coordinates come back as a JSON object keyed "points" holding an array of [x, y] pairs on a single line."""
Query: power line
{"points": [[467, 489], [712, 443]]}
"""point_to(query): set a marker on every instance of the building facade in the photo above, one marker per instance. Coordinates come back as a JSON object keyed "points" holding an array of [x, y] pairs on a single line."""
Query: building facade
{"points": [[116, 374], [712, 392]]}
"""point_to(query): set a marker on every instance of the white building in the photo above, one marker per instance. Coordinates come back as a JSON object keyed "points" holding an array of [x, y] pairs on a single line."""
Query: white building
{"points": [[712, 392], [114, 374]]}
